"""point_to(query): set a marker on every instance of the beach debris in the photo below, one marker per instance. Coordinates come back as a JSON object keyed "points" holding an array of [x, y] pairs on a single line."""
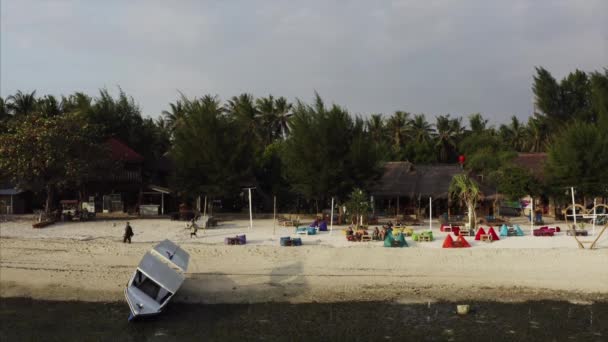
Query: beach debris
{"points": [[462, 309]]}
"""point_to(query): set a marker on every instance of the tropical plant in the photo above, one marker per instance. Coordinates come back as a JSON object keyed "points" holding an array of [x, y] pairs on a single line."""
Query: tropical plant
{"points": [[22, 103], [466, 191], [421, 130], [398, 129], [477, 123], [357, 206], [449, 132], [577, 156], [52, 153], [175, 115]]}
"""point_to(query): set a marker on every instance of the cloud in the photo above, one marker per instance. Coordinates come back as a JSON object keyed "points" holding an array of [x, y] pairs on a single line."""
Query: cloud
{"points": [[425, 56]]}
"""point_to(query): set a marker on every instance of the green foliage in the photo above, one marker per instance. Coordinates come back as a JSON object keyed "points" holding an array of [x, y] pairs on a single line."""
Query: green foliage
{"points": [[577, 157], [206, 158], [466, 191], [515, 182], [57, 152], [357, 205], [449, 133], [328, 153]]}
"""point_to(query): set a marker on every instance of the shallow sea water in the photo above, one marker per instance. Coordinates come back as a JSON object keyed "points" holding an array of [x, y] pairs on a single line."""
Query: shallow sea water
{"points": [[25, 320]]}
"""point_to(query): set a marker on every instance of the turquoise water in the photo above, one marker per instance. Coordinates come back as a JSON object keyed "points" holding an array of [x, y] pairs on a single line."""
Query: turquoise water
{"points": [[25, 319]]}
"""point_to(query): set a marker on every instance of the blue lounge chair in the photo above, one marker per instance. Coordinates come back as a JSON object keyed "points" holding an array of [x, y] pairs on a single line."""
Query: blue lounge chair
{"points": [[519, 231], [401, 240], [504, 230]]}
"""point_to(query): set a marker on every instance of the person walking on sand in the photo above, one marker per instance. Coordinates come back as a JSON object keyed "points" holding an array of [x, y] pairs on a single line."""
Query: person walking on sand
{"points": [[128, 233], [194, 229]]}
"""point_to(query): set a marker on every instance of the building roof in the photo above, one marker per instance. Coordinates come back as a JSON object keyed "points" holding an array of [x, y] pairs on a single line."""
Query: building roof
{"points": [[407, 179], [533, 162], [10, 191], [120, 151]]}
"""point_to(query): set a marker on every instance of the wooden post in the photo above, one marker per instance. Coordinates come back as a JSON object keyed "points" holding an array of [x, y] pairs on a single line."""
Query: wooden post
{"points": [[594, 215], [331, 217], [531, 215], [430, 214], [573, 207], [162, 203], [250, 211], [205, 207], [274, 221]]}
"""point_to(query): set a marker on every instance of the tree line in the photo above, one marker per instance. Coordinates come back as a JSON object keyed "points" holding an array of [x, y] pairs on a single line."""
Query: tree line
{"points": [[307, 152]]}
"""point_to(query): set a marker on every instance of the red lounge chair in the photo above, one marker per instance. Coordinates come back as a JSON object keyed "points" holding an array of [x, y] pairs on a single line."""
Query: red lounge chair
{"points": [[493, 234], [461, 242], [448, 242], [480, 232], [456, 230]]}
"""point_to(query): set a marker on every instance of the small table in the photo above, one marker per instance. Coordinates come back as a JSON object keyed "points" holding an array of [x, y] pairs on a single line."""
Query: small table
{"points": [[485, 237], [465, 233], [366, 238]]}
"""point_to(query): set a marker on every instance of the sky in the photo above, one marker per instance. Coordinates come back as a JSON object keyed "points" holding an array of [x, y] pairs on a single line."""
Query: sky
{"points": [[421, 56]]}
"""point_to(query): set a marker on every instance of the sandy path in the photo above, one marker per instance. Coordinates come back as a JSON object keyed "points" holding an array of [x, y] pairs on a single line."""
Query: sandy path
{"points": [[96, 265]]}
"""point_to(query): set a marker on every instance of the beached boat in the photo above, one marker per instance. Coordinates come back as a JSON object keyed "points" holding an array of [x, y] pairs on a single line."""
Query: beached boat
{"points": [[158, 276]]}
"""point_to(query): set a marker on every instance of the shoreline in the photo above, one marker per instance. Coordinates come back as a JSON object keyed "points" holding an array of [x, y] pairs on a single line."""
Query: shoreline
{"points": [[89, 262]]}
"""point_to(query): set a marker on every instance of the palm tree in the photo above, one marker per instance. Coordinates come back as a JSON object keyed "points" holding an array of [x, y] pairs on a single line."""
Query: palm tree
{"points": [[536, 135], [517, 134], [375, 127], [467, 192], [398, 130], [175, 116], [49, 106], [274, 116], [76, 102], [283, 113], [22, 103], [448, 133], [477, 123], [242, 110], [421, 129]]}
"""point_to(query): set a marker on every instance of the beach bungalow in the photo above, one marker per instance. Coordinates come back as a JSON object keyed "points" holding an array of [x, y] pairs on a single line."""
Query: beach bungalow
{"points": [[404, 189], [14, 200]]}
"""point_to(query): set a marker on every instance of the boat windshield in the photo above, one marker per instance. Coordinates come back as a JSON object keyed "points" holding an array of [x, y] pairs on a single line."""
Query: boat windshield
{"points": [[151, 288]]}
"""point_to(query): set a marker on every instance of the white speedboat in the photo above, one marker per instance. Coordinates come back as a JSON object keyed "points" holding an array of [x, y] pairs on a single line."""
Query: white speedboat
{"points": [[159, 275]]}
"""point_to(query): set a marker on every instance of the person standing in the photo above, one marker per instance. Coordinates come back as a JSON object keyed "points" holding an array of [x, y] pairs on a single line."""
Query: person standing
{"points": [[128, 233], [193, 229]]}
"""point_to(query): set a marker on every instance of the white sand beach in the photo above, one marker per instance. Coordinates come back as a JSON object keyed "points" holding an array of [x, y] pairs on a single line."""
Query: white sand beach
{"points": [[88, 261]]}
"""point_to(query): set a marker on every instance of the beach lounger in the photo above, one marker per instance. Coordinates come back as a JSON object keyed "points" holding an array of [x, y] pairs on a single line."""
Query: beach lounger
{"points": [[504, 230], [480, 232], [302, 230]]}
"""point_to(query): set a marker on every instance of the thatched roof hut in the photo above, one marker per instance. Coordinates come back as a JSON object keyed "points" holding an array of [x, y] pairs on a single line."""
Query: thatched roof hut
{"points": [[404, 179]]}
